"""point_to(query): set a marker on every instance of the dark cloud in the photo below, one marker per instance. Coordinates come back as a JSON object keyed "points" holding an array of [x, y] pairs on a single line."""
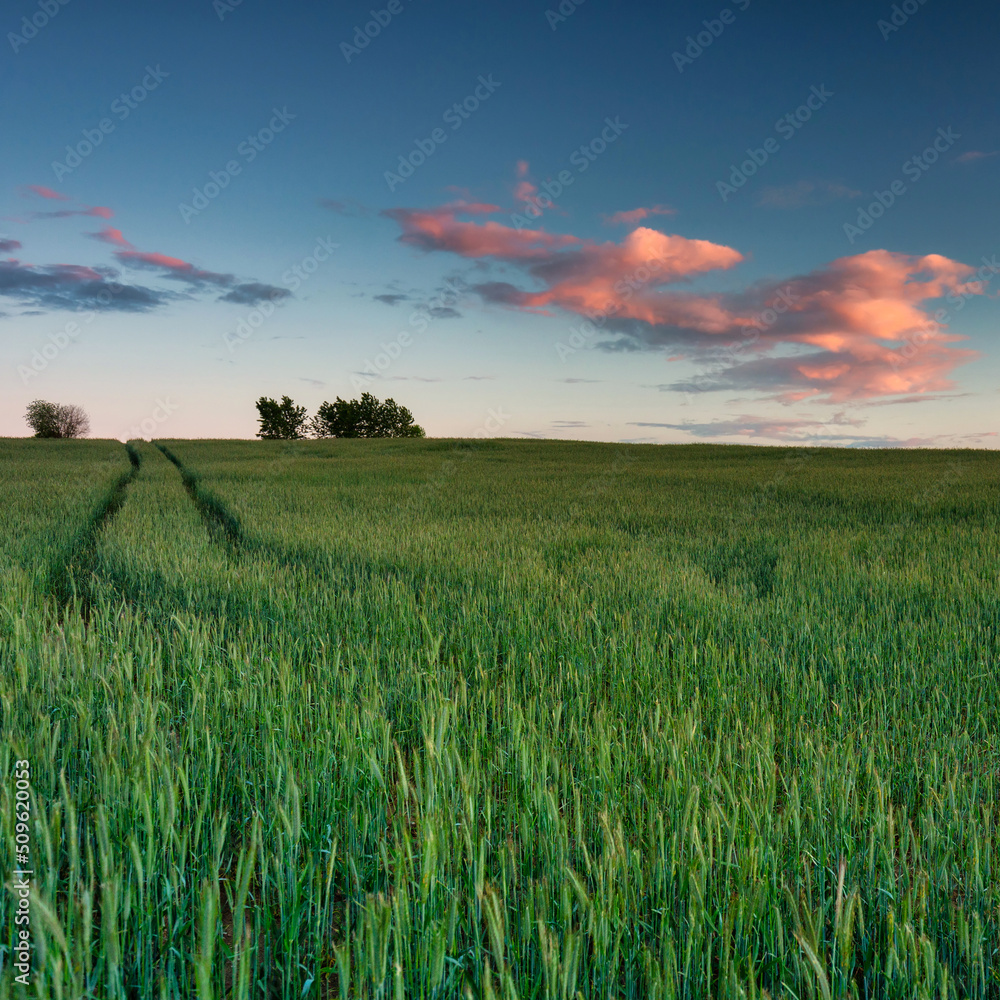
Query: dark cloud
{"points": [[68, 286], [391, 298], [348, 206], [804, 193], [251, 292], [7, 245]]}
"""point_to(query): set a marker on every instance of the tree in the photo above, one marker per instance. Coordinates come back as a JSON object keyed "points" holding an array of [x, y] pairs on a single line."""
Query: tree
{"points": [[282, 421], [57, 420], [364, 418]]}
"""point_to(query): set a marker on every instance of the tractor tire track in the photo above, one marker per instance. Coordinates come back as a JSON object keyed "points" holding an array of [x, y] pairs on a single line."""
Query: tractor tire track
{"points": [[68, 580], [349, 574], [215, 514]]}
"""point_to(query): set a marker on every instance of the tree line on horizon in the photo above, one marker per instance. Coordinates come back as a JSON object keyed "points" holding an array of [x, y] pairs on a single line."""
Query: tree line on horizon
{"points": [[366, 417]]}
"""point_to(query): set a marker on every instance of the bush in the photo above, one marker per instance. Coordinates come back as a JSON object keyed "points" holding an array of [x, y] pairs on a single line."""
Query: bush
{"points": [[57, 420]]}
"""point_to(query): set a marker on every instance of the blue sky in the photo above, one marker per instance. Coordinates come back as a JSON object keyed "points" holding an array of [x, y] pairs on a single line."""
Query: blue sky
{"points": [[859, 358]]}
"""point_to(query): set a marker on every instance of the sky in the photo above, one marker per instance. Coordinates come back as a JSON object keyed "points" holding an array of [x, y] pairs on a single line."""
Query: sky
{"points": [[757, 223]]}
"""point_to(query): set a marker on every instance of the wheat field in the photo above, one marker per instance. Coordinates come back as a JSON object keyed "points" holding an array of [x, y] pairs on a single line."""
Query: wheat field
{"points": [[501, 719]]}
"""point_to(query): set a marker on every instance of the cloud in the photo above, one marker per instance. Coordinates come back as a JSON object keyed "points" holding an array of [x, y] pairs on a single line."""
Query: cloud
{"points": [[45, 192], [391, 298], [71, 286], [860, 327], [97, 211], [249, 293], [479, 378], [568, 424], [929, 398], [754, 427], [112, 236], [348, 207], [311, 381], [439, 229], [524, 190], [804, 193], [975, 155], [442, 312], [634, 215], [172, 267], [574, 381]]}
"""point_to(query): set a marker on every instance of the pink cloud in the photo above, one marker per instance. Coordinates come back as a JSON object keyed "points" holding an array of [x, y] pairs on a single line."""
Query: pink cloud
{"points": [[44, 192], [634, 215], [524, 190], [112, 236], [174, 266], [974, 154], [861, 327], [441, 229], [96, 211]]}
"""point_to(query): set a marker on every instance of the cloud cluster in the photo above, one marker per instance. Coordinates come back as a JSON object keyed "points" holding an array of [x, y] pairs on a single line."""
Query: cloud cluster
{"points": [[70, 286], [861, 327]]}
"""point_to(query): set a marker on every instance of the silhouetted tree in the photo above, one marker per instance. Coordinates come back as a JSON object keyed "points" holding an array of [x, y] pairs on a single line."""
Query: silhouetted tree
{"points": [[282, 421], [57, 420], [364, 418]]}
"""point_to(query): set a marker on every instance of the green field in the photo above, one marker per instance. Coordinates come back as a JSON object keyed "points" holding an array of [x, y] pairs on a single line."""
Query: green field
{"points": [[502, 719]]}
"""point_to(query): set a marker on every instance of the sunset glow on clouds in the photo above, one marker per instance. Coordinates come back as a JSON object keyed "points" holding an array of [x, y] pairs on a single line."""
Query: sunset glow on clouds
{"points": [[564, 254], [863, 326]]}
